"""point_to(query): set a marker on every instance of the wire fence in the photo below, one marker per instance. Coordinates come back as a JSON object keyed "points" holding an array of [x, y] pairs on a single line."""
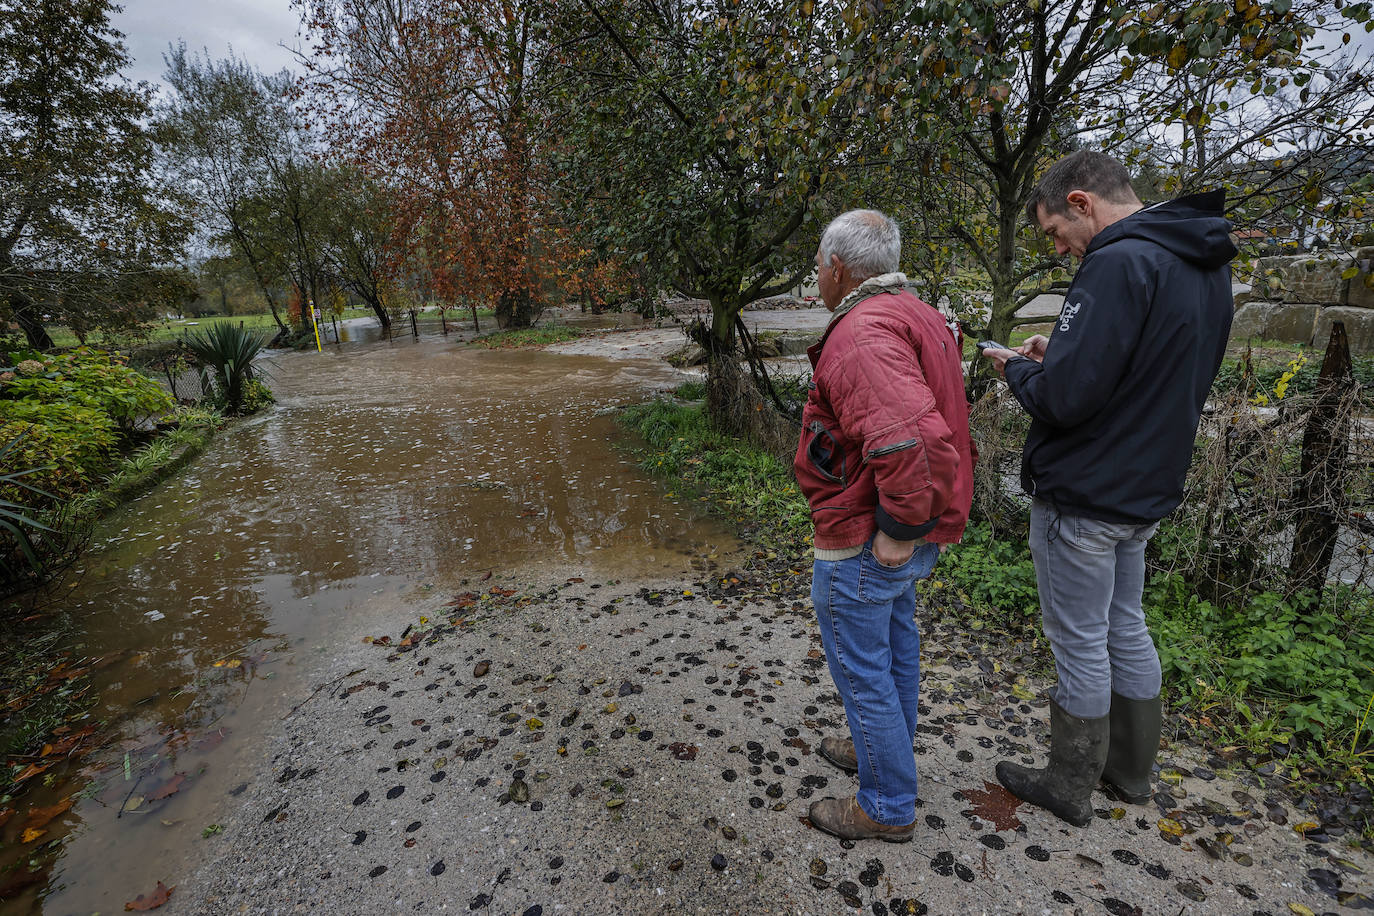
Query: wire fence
{"points": [[1279, 496]]}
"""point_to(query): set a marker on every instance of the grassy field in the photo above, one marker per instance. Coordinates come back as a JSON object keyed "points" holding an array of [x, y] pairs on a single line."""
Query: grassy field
{"points": [[173, 328]]}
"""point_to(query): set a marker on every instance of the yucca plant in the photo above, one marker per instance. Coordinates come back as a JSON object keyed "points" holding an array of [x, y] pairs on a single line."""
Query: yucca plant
{"points": [[227, 351]]}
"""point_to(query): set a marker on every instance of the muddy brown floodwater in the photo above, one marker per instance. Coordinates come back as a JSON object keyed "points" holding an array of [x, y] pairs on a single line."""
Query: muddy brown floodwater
{"points": [[385, 472]]}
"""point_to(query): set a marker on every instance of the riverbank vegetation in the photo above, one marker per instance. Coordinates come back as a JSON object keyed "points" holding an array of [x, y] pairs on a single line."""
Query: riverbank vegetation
{"points": [[82, 430], [1269, 676]]}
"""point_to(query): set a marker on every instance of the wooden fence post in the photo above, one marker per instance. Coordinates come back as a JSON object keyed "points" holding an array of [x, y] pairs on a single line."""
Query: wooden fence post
{"points": [[1320, 493]]}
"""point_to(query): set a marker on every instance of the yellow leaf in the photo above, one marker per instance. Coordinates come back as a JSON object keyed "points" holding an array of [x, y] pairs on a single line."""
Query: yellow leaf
{"points": [[611, 707], [233, 663], [1178, 56], [1305, 826], [32, 834], [1170, 826], [534, 724], [1300, 909]]}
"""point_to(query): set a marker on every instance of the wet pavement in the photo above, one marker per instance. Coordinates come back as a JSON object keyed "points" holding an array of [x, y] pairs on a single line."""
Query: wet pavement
{"points": [[558, 745]]}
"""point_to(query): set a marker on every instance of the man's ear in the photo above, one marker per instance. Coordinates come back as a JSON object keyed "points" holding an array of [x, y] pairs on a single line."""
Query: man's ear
{"points": [[1080, 202], [836, 265]]}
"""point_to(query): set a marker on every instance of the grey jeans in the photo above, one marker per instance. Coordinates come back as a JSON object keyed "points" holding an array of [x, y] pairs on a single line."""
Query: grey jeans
{"points": [[1090, 575]]}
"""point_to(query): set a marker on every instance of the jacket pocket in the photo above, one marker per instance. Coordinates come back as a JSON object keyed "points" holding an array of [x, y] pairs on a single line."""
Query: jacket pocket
{"points": [[825, 454]]}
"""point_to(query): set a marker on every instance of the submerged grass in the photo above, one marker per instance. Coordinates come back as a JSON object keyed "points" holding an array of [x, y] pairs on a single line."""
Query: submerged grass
{"points": [[527, 337]]}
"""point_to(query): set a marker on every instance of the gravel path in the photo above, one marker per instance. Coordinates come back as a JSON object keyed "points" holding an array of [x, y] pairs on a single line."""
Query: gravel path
{"points": [[648, 747]]}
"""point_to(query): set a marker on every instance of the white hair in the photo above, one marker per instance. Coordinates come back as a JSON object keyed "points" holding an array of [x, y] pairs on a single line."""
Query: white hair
{"points": [[868, 242]]}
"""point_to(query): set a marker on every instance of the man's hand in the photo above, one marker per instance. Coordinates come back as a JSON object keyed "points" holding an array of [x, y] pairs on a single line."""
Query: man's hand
{"points": [[1034, 347], [890, 552], [999, 359]]}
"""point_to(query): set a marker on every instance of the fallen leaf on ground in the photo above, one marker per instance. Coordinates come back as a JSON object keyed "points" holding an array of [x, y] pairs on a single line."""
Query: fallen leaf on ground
{"points": [[995, 805], [151, 901]]}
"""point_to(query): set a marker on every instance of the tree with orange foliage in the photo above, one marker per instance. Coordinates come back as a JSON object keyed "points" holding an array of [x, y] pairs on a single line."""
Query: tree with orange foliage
{"points": [[431, 96]]}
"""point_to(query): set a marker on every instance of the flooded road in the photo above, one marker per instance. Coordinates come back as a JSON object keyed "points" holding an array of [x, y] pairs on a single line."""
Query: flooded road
{"points": [[385, 472]]}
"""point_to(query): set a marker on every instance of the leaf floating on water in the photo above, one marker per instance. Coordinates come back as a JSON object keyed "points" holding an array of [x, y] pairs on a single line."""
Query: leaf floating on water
{"points": [[151, 901], [40, 817], [32, 834], [134, 803], [170, 787]]}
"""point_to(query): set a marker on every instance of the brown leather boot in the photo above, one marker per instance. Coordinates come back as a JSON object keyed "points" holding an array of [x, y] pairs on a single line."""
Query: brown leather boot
{"points": [[842, 817], [840, 752]]}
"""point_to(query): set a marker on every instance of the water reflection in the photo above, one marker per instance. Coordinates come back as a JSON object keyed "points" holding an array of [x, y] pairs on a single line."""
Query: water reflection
{"points": [[387, 470]]}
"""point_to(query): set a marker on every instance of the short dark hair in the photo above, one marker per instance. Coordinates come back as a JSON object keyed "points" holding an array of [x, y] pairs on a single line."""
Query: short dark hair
{"points": [[1084, 170]]}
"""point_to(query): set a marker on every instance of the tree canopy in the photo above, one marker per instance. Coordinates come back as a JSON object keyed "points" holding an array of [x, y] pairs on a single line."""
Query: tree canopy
{"points": [[87, 231]]}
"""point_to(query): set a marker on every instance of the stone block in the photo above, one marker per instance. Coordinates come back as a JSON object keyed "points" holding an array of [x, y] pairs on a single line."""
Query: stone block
{"points": [[1359, 328], [1304, 278], [1360, 290], [1274, 321]]}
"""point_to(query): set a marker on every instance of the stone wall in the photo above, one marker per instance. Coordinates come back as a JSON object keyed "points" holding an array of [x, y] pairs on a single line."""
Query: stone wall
{"points": [[1296, 298]]}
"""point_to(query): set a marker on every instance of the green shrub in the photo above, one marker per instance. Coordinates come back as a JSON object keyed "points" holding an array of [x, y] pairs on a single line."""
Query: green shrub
{"points": [[70, 445], [994, 575], [91, 379]]}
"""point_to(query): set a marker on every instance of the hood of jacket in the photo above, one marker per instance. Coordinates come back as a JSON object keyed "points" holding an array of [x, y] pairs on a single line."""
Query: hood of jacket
{"points": [[1194, 228]]}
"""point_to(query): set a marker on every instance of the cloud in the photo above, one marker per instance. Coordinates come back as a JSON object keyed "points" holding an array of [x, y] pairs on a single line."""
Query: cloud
{"points": [[254, 29]]}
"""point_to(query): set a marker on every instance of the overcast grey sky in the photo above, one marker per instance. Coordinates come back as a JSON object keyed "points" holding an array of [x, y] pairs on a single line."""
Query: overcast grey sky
{"points": [[255, 29]]}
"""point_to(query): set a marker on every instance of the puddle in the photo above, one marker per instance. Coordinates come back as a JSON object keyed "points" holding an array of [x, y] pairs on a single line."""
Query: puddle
{"points": [[386, 471]]}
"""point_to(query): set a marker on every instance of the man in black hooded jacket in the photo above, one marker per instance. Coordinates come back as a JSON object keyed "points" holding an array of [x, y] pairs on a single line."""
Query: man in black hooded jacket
{"points": [[1115, 396]]}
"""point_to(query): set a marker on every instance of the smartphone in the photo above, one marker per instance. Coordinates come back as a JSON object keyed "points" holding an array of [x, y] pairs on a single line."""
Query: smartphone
{"points": [[991, 345]]}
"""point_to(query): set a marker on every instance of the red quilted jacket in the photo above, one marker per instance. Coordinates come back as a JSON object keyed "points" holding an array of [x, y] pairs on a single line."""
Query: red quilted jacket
{"points": [[885, 440]]}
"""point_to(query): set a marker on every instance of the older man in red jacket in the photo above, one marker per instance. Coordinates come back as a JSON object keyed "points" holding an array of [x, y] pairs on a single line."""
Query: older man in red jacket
{"points": [[886, 463]]}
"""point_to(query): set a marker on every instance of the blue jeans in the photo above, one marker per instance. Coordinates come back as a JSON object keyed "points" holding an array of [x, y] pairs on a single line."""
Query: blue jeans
{"points": [[1090, 575], [867, 616]]}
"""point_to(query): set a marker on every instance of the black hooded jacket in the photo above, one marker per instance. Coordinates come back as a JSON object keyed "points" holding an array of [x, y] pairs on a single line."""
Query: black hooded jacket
{"points": [[1115, 404]]}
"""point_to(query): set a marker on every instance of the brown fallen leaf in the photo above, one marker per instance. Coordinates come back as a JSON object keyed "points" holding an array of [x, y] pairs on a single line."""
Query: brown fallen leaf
{"points": [[210, 739], [31, 771], [995, 805], [151, 901], [40, 817], [683, 751], [170, 787]]}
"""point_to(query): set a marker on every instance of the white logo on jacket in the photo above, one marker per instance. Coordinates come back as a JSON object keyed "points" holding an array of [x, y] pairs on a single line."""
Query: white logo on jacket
{"points": [[1067, 315]]}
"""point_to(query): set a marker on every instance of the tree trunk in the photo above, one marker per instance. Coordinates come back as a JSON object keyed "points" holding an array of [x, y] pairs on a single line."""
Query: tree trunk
{"points": [[26, 315], [514, 309], [1320, 493], [384, 317], [734, 403]]}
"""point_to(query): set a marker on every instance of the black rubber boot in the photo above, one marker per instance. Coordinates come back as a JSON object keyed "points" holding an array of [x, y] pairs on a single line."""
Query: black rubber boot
{"points": [[1078, 752], [1135, 726]]}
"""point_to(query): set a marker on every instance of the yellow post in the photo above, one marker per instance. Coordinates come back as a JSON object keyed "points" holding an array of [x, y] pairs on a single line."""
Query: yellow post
{"points": [[316, 322]]}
